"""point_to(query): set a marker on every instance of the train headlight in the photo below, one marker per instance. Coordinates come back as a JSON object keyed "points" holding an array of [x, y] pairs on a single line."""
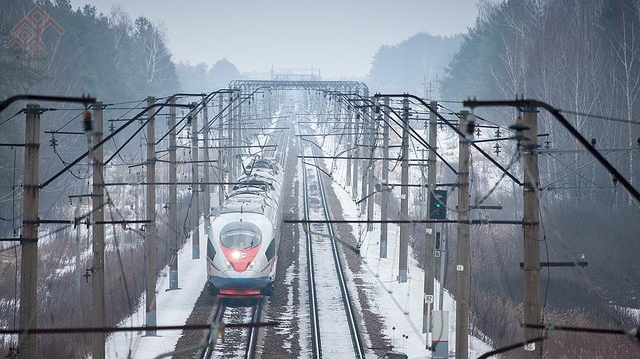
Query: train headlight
{"points": [[236, 255], [250, 265], [228, 264]]}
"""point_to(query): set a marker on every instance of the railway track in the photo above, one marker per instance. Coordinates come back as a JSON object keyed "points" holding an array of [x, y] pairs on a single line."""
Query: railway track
{"points": [[333, 335], [233, 342]]}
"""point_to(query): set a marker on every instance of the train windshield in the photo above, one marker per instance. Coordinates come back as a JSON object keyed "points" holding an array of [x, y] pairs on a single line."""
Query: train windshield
{"points": [[240, 235]]}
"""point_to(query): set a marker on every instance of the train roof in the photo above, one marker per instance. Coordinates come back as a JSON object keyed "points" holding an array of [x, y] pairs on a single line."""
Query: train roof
{"points": [[261, 164], [248, 200], [258, 191]]}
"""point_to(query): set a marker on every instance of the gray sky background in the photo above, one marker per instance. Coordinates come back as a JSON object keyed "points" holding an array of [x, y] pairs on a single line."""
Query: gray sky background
{"points": [[338, 37]]}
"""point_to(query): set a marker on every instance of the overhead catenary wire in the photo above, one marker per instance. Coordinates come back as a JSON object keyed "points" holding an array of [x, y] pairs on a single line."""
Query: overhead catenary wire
{"points": [[499, 181], [600, 117], [51, 233], [11, 117]]}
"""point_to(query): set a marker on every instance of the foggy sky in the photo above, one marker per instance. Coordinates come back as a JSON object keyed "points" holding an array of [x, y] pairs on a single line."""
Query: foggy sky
{"points": [[339, 37]]}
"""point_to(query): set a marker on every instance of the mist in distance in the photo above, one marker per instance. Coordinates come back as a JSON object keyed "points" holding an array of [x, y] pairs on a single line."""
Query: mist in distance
{"points": [[339, 38]]}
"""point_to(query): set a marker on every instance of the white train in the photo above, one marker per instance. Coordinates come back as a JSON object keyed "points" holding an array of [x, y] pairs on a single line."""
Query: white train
{"points": [[243, 238]]}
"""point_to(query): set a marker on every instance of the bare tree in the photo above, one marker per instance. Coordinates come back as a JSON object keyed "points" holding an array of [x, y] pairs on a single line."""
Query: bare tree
{"points": [[120, 22], [627, 50]]}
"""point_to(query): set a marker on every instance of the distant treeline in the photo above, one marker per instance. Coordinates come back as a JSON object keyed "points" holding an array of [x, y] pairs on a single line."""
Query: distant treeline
{"points": [[414, 65]]}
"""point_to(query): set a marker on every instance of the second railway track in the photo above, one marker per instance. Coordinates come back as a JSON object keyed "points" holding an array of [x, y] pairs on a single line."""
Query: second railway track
{"points": [[334, 329]]}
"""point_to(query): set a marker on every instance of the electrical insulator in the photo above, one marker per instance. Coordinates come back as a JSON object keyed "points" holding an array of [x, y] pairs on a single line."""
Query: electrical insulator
{"points": [[405, 105], [53, 141], [468, 124], [86, 120], [519, 128]]}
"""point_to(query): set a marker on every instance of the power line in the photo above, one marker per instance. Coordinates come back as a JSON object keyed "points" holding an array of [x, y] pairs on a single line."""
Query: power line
{"points": [[600, 117]]}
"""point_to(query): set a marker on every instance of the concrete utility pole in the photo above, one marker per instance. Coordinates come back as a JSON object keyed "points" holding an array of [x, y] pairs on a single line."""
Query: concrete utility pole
{"points": [[28, 343], [268, 104], [221, 140], [354, 166], [531, 183], [462, 260], [350, 143], [231, 140], [366, 141], [205, 168], [150, 238], [430, 245], [372, 140], [195, 190], [235, 137], [384, 203], [98, 234], [174, 238], [239, 137], [404, 195], [362, 154]]}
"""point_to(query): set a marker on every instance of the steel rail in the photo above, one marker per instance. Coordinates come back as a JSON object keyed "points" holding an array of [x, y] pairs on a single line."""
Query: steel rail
{"points": [[346, 298], [316, 342], [252, 340], [212, 336]]}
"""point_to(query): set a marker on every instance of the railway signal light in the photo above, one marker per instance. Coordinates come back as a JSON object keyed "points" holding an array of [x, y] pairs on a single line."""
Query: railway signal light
{"points": [[438, 204]]}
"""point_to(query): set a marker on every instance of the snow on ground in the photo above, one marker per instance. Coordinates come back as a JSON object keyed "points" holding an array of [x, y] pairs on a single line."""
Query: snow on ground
{"points": [[391, 299], [173, 308], [400, 304]]}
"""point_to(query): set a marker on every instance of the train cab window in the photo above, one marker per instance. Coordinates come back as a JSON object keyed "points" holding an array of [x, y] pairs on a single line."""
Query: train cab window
{"points": [[240, 235]]}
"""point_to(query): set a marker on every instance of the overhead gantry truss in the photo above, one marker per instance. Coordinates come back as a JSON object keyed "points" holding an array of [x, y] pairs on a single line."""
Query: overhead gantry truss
{"points": [[343, 86]]}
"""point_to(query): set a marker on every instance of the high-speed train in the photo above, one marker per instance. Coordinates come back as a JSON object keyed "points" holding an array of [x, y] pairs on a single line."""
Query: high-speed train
{"points": [[243, 238]]}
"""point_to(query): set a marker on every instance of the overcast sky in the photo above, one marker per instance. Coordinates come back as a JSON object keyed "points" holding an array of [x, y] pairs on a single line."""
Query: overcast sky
{"points": [[338, 37]]}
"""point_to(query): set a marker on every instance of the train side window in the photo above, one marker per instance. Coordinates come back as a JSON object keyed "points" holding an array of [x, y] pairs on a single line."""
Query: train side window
{"points": [[211, 252], [271, 250]]}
